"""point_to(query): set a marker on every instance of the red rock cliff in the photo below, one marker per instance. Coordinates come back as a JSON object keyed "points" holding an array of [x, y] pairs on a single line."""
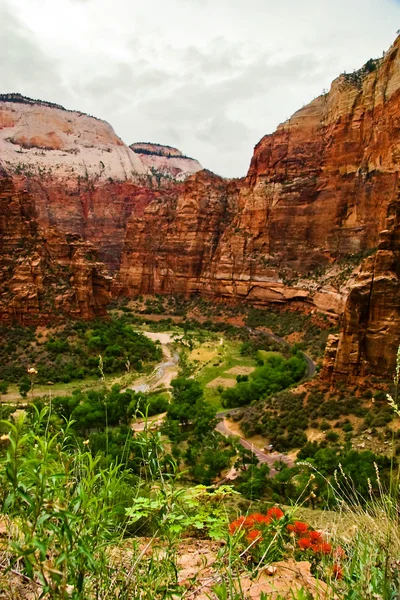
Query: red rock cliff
{"points": [[44, 273], [317, 189], [370, 333]]}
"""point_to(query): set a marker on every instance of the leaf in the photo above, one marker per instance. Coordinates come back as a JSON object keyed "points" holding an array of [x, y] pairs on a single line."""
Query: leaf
{"points": [[41, 547]]}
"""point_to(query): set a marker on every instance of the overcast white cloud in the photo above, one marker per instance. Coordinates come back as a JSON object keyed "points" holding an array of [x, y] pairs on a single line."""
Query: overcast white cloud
{"points": [[209, 76]]}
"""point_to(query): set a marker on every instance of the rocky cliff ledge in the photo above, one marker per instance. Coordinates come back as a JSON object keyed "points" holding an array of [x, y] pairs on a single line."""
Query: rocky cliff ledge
{"points": [[165, 162]]}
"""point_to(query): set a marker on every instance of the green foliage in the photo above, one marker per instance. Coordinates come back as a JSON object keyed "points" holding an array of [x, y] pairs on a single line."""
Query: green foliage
{"points": [[66, 506], [191, 420], [275, 375], [175, 512], [188, 411], [24, 386], [253, 482], [72, 353], [3, 387], [283, 323]]}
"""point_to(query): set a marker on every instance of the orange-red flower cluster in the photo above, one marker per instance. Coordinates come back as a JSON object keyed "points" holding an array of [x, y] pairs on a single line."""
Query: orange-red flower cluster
{"points": [[337, 571], [251, 523], [309, 540], [298, 528], [275, 513], [254, 536]]}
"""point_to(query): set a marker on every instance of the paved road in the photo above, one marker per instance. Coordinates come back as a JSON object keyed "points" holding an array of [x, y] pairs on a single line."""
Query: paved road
{"points": [[263, 457], [269, 458]]}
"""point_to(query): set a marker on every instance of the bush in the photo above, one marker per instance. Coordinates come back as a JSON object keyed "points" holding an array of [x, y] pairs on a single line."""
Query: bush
{"points": [[276, 374], [332, 436], [73, 352]]}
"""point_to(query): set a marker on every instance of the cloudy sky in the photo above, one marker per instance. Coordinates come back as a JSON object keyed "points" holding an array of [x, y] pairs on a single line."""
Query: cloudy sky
{"points": [[208, 76]]}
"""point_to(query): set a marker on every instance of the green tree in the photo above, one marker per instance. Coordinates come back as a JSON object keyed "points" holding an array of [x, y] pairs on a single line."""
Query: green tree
{"points": [[24, 386]]}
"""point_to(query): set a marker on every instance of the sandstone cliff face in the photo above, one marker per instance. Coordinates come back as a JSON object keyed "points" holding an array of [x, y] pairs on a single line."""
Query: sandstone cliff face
{"points": [[44, 273], [165, 162], [99, 213], [317, 190], [327, 175], [38, 138], [370, 334], [171, 247]]}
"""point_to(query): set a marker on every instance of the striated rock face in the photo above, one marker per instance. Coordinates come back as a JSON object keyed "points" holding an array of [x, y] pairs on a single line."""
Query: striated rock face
{"points": [[316, 194], [44, 273], [316, 191], [327, 175], [171, 247], [165, 162], [371, 323], [40, 138]]}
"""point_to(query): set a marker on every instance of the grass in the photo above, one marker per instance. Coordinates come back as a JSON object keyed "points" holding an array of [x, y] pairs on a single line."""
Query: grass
{"points": [[227, 356], [71, 518], [67, 389]]}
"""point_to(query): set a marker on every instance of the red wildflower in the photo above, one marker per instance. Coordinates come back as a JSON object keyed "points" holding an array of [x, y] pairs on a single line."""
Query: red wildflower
{"points": [[237, 524], [337, 571], [298, 527], [259, 518], [254, 535], [275, 513], [304, 543], [315, 536], [322, 547]]}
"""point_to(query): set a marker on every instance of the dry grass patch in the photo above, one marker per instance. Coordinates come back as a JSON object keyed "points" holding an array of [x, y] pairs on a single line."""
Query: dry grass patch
{"points": [[203, 354], [224, 381], [240, 370]]}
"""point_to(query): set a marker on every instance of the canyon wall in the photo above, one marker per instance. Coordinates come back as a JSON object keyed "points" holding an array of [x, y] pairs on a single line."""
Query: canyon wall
{"points": [[315, 198], [317, 190], [370, 333], [43, 272]]}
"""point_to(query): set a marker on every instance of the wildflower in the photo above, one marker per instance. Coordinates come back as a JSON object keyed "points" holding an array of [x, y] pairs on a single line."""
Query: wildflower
{"points": [[257, 518], [275, 513], [337, 571], [86, 442], [254, 536], [4, 437], [32, 371], [304, 543], [237, 524], [298, 528], [315, 536], [323, 548]]}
